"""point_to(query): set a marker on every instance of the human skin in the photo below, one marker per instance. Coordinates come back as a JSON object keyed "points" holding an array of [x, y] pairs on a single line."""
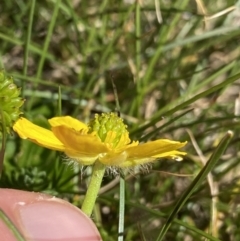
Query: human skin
{"points": [[40, 217]]}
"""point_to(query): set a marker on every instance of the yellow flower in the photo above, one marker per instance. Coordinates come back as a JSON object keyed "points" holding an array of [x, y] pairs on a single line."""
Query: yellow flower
{"points": [[105, 138]]}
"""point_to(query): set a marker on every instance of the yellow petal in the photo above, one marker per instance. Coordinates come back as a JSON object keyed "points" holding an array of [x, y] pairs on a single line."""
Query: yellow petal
{"points": [[158, 148], [173, 154], [135, 162], [113, 159], [140, 161], [81, 144], [67, 121], [83, 160], [37, 134]]}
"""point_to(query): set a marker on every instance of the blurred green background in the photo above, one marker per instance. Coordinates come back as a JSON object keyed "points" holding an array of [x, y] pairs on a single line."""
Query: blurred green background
{"points": [[175, 66]]}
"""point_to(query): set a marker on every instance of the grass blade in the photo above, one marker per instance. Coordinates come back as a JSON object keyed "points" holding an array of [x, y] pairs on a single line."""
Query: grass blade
{"points": [[197, 181]]}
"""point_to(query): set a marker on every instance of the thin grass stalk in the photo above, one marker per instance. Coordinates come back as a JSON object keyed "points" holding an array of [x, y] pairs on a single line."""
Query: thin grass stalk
{"points": [[220, 149], [48, 39], [139, 86], [27, 44]]}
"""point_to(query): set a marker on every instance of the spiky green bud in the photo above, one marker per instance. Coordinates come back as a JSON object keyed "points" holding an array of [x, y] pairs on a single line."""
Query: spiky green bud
{"points": [[10, 102]]}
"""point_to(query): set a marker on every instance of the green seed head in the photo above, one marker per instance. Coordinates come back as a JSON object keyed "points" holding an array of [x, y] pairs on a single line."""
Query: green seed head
{"points": [[10, 102], [109, 128]]}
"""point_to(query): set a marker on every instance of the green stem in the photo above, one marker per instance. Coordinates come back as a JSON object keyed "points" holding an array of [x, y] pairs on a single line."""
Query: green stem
{"points": [[4, 218], [93, 188], [121, 210]]}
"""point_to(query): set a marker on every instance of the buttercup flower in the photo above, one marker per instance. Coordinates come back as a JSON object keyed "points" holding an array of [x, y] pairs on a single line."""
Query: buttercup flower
{"points": [[105, 139]]}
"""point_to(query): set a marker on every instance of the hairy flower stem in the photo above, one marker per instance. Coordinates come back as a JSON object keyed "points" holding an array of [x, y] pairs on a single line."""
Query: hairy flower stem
{"points": [[93, 188]]}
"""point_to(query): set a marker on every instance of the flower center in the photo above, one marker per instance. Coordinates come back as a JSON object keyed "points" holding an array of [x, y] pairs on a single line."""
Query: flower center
{"points": [[110, 129]]}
